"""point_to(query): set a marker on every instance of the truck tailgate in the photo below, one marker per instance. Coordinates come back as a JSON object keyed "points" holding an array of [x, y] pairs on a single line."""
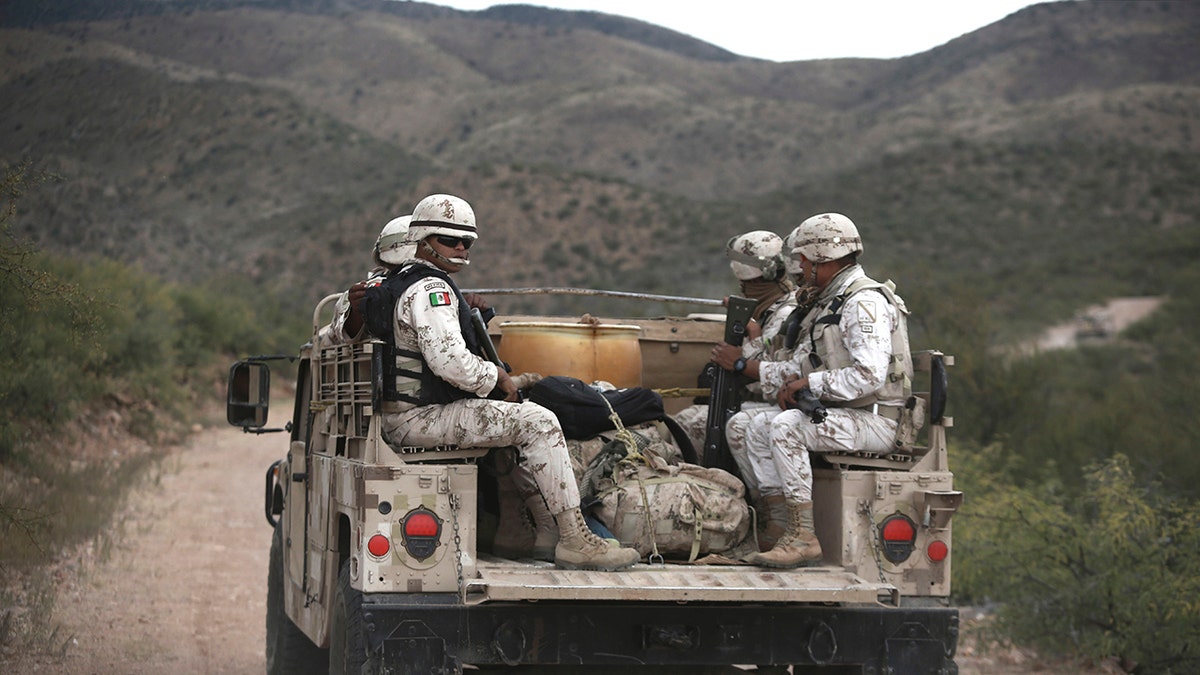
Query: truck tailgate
{"points": [[508, 580]]}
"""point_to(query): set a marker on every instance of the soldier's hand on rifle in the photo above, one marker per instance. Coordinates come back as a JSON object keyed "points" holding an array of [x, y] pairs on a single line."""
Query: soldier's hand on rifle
{"points": [[476, 301], [504, 383], [787, 393], [725, 355]]}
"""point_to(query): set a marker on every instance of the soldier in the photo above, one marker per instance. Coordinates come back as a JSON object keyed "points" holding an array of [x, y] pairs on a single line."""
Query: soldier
{"points": [[853, 355], [758, 261], [525, 526], [446, 381], [771, 345]]}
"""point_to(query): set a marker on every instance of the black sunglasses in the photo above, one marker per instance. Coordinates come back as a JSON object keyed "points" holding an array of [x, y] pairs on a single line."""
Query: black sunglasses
{"points": [[453, 242]]}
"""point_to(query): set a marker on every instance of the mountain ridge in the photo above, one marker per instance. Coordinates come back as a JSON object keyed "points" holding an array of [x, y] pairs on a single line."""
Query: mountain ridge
{"points": [[273, 139]]}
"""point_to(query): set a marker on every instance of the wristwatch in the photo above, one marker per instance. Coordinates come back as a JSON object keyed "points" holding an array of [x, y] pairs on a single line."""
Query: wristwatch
{"points": [[739, 365]]}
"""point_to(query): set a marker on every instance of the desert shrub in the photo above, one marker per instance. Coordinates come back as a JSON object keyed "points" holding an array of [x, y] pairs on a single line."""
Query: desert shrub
{"points": [[1111, 571]]}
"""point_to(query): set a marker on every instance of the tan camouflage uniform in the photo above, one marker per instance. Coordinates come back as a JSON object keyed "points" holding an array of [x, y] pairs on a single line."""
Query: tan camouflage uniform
{"points": [[427, 321], [777, 443]]}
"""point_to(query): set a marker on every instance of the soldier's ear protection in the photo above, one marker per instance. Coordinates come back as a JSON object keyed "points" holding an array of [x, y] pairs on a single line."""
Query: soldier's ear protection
{"points": [[772, 267]]}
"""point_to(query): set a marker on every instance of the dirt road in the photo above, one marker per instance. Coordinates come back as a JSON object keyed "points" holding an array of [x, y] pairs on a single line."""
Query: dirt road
{"points": [[184, 588]]}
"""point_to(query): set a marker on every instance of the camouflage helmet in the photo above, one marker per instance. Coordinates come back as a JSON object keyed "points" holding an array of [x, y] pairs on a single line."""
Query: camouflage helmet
{"points": [[392, 246], [756, 254], [826, 237], [442, 214]]}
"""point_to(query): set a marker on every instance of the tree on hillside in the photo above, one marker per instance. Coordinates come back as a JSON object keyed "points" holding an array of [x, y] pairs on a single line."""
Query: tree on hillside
{"points": [[43, 318]]}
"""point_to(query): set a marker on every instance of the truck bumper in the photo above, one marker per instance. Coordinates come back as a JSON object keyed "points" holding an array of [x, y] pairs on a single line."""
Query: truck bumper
{"points": [[436, 634]]}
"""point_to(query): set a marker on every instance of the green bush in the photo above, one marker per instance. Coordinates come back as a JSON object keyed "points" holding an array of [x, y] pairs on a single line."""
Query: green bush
{"points": [[1114, 571], [102, 343]]}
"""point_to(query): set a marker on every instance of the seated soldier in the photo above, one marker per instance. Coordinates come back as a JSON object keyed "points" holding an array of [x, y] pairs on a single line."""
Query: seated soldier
{"points": [[449, 393]]}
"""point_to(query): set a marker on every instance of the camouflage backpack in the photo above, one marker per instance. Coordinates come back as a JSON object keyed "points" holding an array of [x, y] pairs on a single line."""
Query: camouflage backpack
{"points": [[667, 510]]}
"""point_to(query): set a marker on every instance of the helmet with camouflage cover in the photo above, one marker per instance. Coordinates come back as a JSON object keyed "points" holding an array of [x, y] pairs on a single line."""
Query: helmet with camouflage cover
{"points": [[756, 254], [442, 214], [392, 246], [826, 237]]}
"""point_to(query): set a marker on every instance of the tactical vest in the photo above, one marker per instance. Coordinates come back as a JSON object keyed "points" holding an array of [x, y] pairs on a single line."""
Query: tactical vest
{"points": [[828, 349], [406, 375]]}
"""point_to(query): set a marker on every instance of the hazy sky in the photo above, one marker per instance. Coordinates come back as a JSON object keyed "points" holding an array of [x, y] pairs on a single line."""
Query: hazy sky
{"points": [[799, 30]]}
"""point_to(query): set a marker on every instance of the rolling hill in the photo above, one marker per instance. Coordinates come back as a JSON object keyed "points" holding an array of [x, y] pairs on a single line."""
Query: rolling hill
{"points": [[1045, 162]]}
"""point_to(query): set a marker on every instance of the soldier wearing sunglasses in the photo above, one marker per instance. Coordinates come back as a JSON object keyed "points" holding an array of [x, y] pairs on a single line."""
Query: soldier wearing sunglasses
{"points": [[447, 390]]}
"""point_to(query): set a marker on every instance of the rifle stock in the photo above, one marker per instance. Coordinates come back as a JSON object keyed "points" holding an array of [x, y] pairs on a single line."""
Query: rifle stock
{"points": [[724, 400]]}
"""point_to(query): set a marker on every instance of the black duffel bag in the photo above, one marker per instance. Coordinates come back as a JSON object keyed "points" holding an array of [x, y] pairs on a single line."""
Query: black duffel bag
{"points": [[582, 411]]}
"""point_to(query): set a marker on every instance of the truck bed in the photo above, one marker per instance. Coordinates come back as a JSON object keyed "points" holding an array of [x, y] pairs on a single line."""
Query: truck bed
{"points": [[507, 580]]}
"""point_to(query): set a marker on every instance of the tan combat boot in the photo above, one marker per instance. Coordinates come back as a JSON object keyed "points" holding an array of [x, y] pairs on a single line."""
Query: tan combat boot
{"points": [[798, 547], [544, 528], [772, 520], [580, 549]]}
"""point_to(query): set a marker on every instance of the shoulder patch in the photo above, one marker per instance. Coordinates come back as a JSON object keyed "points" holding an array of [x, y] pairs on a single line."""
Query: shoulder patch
{"points": [[867, 314], [440, 298]]}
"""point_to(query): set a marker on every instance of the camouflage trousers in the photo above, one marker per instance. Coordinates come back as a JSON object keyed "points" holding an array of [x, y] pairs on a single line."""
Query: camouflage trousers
{"points": [[736, 428], [778, 444], [483, 423]]}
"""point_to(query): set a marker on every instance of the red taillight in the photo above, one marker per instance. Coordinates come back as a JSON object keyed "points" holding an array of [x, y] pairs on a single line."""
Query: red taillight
{"points": [[421, 529], [898, 529], [421, 524], [378, 546], [899, 536], [937, 550]]}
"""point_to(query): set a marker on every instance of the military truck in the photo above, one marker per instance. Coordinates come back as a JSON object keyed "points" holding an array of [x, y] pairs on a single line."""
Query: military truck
{"points": [[377, 564]]}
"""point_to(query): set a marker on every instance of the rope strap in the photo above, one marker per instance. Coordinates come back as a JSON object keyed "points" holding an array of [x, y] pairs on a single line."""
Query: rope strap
{"points": [[632, 457]]}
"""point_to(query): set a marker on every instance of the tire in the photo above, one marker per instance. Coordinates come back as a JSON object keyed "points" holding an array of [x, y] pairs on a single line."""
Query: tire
{"points": [[289, 651], [347, 646]]}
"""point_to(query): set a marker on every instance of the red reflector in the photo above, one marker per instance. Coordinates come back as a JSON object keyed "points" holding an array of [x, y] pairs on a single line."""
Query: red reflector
{"points": [[899, 529], [421, 524], [378, 546], [937, 550]]}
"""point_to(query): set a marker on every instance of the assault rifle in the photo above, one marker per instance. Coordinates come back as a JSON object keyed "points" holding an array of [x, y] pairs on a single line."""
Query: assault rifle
{"points": [[724, 400], [485, 339], [489, 348]]}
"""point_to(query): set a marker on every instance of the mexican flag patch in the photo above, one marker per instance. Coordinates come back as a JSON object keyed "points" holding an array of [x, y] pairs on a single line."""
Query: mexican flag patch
{"points": [[440, 298]]}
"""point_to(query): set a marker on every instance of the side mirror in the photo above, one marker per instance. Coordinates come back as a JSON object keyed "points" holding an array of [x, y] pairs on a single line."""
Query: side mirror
{"points": [[248, 395]]}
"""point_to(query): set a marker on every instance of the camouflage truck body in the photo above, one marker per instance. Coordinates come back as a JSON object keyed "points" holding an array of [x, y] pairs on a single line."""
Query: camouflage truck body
{"points": [[377, 558]]}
